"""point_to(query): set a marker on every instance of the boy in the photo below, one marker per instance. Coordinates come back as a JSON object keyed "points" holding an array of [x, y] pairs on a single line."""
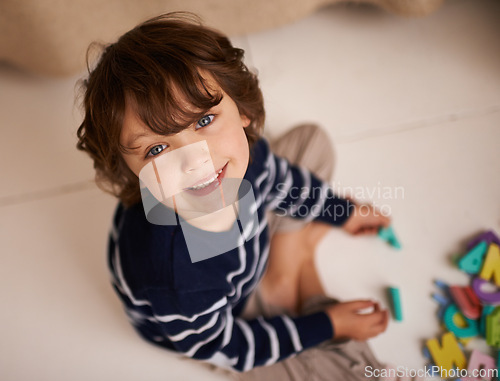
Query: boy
{"points": [[168, 99]]}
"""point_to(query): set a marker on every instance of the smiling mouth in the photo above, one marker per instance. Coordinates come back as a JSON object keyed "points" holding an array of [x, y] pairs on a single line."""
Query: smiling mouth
{"points": [[206, 183]]}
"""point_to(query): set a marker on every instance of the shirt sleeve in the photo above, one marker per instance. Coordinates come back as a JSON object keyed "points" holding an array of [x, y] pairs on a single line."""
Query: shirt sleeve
{"points": [[214, 335], [296, 192]]}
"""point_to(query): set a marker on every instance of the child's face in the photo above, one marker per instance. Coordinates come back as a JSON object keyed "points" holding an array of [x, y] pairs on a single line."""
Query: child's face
{"points": [[215, 145]]}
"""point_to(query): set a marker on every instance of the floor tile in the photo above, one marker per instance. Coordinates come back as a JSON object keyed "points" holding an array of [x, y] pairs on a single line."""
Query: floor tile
{"points": [[441, 186], [357, 68], [38, 154], [414, 108], [61, 318], [38, 145]]}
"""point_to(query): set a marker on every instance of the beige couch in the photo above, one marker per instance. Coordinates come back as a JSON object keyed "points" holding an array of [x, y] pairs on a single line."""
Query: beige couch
{"points": [[51, 36]]}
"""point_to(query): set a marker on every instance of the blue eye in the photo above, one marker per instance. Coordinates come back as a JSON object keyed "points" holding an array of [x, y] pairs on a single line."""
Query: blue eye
{"points": [[156, 150], [205, 121]]}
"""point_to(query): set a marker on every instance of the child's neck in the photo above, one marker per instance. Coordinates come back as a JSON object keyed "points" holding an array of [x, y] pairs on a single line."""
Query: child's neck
{"points": [[220, 221]]}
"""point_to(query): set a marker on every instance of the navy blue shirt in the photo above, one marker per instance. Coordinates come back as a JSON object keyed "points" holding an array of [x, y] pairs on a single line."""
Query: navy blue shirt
{"points": [[194, 308]]}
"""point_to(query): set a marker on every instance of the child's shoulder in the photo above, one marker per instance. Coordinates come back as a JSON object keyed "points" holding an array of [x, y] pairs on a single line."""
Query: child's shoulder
{"points": [[143, 248], [260, 149], [259, 155], [136, 234], [133, 220], [156, 257]]}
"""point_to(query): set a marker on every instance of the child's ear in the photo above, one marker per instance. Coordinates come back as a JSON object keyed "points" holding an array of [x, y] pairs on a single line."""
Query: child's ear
{"points": [[245, 120]]}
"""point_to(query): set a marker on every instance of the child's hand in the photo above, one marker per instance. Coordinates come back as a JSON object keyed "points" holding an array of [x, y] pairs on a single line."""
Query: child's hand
{"points": [[349, 323], [365, 219]]}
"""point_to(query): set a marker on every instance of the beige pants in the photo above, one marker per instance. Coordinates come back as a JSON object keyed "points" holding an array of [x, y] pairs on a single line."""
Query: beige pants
{"points": [[310, 147], [329, 361], [307, 146]]}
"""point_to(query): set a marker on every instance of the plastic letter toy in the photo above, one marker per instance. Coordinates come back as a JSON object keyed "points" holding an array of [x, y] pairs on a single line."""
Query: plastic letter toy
{"points": [[443, 304], [493, 328], [488, 309], [448, 354], [396, 303], [498, 364], [387, 234], [477, 361], [467, 301], [489, 237], [426, 353], [472, 261], [443, 300], [485, 297], [471, 328], [491, 265]]}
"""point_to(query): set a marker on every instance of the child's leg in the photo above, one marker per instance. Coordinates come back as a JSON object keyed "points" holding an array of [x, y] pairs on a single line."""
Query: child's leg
{"points": [[291, 276], [307, 146], [332, 360]]}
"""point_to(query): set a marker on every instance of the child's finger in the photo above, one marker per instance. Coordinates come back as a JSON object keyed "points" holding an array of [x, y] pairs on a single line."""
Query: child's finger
{"points": [[378, 324], [378, 220], [382, 317], [357, 305], [367, 230], [378, 318], [386, 320], [360, 231], [382, 326]]}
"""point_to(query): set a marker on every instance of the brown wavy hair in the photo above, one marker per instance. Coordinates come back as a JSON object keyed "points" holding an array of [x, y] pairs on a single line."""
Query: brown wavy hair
{"points": [[157, 65]]}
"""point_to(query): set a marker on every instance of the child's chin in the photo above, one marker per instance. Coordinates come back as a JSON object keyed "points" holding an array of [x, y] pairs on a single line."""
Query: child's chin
{"points": [[219, 221]]}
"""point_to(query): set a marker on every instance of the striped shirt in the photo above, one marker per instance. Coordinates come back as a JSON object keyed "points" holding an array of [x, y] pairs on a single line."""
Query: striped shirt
{"points": [[194, 308]]}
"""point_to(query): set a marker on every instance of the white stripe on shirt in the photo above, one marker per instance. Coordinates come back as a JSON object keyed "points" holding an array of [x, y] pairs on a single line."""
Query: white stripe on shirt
{"points": [[294, 334], [253, 270], [220, 359], [203, 328], [273, 341], [271, 175], [123, 283], [242, 256], [228, 330], [166, 318], [306, 190], [318, 205], [247, 331], [199, 344], [261, 178]]}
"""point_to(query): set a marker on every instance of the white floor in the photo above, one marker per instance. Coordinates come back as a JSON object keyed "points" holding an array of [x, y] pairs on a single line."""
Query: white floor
{"points": [[413, 106]]}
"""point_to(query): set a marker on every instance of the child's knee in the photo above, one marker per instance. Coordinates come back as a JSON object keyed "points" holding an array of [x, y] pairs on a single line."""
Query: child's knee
{"points": [[318, 155], [313, 234]]}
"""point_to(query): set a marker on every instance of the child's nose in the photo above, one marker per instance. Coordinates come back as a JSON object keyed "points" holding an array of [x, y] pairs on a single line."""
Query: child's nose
{"points": [[191, 164], [194, 159]]}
